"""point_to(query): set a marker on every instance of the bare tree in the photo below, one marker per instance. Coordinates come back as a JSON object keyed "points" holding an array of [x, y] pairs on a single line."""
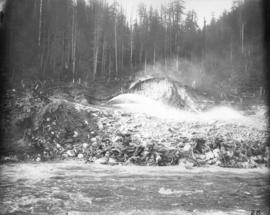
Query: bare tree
{"points": [[115, 45], [74, 40], [40, 21]]}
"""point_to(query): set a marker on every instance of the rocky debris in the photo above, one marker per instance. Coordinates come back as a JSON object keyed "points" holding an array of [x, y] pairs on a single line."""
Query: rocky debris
{"points": [[146, 141], [9, 159], [63, 129]]}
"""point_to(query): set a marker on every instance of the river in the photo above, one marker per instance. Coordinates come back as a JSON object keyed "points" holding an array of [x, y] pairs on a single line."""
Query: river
{"points": [[73, 187]]}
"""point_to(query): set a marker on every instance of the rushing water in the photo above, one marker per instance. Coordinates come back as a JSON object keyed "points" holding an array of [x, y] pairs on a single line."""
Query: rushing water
{"points": [[72, 187]]}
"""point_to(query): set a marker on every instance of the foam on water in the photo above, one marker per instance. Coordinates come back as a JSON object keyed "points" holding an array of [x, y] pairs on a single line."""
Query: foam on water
{"points": [[73, 187], [45, 170], [165, 212]]}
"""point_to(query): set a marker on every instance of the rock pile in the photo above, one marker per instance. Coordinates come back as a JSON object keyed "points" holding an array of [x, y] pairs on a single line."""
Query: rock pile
{"points": [[62, 129]]}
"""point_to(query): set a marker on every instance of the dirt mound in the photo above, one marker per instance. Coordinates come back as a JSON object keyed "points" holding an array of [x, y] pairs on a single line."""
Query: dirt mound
{"points": [[172, 93]]}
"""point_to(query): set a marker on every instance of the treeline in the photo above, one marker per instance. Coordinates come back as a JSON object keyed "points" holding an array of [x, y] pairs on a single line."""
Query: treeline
{"points": [[234, 51], [76, 41]]}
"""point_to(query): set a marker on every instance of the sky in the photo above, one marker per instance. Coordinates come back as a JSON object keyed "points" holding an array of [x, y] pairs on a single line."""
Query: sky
{"points": [[1, 4], [203, 8]]}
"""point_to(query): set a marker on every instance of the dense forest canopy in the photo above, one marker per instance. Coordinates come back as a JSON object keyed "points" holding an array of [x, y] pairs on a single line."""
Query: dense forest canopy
{"points": [[69, 40]]}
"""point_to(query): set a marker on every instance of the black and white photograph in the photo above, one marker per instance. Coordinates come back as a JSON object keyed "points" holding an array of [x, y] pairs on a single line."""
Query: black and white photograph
{"points": [[134, 107]]}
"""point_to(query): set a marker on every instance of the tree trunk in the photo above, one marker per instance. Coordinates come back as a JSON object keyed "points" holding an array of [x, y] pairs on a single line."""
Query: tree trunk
{"points": [[10, 63], [177, 64], [96, 51], [115, 46], [73, 44], [141, 54], [11, 39], [35, 9], [131, 48], [41, 62], [110, 68], [103, 58], [145, 63], [231, 51], [62, 57], [40, 21], [154, 57], [122, 56], [165, 64], [41, 49], [48, 57], [242, 37]]}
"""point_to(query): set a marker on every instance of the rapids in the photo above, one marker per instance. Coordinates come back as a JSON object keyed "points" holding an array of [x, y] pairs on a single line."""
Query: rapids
{"points": [[72, 187]]}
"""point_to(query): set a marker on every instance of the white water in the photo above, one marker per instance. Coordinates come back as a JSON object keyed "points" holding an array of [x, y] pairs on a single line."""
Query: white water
{"points": [[73, 187], [140, 104]]}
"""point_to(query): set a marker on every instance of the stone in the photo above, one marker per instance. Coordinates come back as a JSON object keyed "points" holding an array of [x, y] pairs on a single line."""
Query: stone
{"points": [[93, 133], [218, 163], [70, 153], [93, 139], [209, 155], [65, 155], [187, 147], [80, 156], [158, 158], [188, 165], [117, 139], [216, 152], [75, 134], [200, 157], [85, 145], [92, 159], [230, 153], [103, 160], [100, 125], [212, 161], [112, 161], [10, 158]]}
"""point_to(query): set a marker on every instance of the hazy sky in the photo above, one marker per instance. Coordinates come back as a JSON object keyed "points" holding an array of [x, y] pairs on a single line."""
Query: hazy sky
{"points": [[203, 8], [1, 4]]}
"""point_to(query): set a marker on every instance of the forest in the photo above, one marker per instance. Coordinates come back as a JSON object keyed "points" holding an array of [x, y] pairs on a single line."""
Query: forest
{"points": [[87, 42]]}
